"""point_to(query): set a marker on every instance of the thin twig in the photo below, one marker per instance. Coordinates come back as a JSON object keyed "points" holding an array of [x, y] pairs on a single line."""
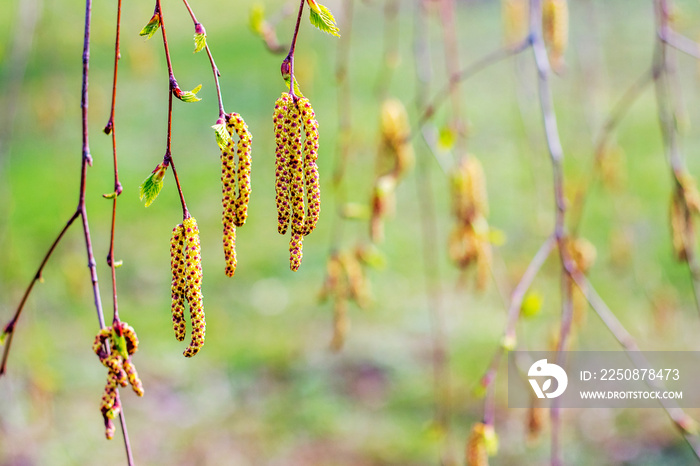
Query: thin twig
{"points": [[172, 84], [426, 204], [290, 56], [198, 28], [681, 420]]}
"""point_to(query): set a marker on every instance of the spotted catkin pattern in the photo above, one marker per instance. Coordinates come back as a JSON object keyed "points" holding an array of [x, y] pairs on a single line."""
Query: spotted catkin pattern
{"points": [[279, 118], [177, 286], [245, 139], [311, 177], [296, 172], [236, 166], [193, 292], [116, 356]]}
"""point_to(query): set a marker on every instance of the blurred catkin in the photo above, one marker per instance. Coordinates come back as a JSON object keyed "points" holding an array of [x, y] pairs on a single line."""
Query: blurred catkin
{"points": [[555, 30]]}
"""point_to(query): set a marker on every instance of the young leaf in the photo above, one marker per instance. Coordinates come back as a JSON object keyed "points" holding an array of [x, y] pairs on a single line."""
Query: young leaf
{"points": [[200, 41], [152, 26], [188, 96], [120, 344], [222, 135], [151, 186], [297, 91], [322, 18]]}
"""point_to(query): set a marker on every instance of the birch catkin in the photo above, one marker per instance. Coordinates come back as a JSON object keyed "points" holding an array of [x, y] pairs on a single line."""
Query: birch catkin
{"points": [[296, 172], [177, 287], [555, 29], [193, 278], [281, 161], [234, 172]]}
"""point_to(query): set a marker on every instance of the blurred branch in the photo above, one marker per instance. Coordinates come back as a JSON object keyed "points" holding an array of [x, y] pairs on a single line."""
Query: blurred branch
{"points": [[679, 41], [431, 253], [616, 115], [668, 103], [681, 420], [14, 67]]}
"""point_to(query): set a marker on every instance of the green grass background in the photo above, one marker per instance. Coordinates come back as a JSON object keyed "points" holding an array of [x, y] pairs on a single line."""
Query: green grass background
{"points": [[265, 390]]}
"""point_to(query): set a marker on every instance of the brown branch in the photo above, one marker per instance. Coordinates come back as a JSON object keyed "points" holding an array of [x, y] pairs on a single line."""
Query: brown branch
{"points": [[172, 83], [289, 60]]}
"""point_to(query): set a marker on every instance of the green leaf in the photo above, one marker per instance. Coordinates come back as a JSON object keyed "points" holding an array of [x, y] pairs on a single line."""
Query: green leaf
{"points": [[222, 134], [189, 96], [3, 337], [297, 91], [151, 186], [200, 41], [120, 344], [322, 18], [110, 195], [152, 26]]}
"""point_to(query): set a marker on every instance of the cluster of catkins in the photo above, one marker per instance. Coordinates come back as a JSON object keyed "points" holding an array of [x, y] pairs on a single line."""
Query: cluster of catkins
{"points": [[296, 137], [346, 281], [470, 238], [235, 208], [186, 266], [395, 157], [117, 358]]}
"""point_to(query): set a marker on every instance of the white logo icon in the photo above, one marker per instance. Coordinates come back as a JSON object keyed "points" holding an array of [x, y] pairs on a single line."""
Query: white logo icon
{"points": [[542, 369]]}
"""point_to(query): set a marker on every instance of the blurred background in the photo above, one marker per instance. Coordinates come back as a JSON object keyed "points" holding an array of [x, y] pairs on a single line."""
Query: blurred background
{"points": [[266, 389]]}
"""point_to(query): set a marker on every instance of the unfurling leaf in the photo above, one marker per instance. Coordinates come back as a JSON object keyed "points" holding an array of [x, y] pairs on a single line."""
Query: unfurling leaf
{"points": [[222, 135], [151, 186], [152, 26], [3, 337], [322, 18], [187, 96], [200, 41], [297, 91]]}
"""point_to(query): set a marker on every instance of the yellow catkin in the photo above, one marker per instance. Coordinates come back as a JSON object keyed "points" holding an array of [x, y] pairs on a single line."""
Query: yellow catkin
{"points": [[680, 224], [245, 140], [396, 135], [228, 176], [295, 251], [476, 453], [469, 196], [177, 286], [193, 293], [133, 376], [313, 187], [229, 238], [555, 29], [109, 406], [515, 20], [296, 170], [282, 155], [341, 323]]}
